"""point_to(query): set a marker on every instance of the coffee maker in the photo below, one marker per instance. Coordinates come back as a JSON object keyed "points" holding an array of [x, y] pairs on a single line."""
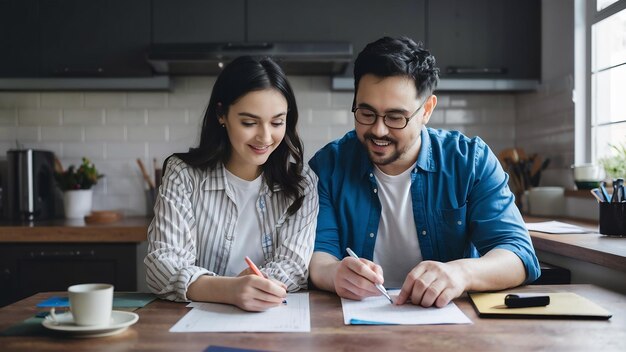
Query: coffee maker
{"points": [[30, 190]]}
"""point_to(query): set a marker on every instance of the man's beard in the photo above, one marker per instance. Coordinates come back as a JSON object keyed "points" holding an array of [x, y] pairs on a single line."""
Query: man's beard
{"points": [[377, 159]]}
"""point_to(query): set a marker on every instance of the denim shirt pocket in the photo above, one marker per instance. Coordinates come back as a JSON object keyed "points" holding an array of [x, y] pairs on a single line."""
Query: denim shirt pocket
{"points": [[452, 230]]}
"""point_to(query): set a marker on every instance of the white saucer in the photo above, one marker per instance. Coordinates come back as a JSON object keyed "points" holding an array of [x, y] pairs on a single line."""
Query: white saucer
{"points": [[120, 321]]}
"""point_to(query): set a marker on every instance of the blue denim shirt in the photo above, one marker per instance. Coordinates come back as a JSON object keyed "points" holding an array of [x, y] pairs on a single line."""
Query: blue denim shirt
{"points": [[462, 205]]}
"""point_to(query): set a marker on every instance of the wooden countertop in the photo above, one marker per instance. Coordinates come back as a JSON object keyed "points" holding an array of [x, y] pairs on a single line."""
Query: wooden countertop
{"points": [[126, 230], [588, 247], [328, 332]]}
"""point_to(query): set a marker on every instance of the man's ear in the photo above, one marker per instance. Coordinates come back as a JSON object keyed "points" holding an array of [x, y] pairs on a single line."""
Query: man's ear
{"points": [[429, 107]]}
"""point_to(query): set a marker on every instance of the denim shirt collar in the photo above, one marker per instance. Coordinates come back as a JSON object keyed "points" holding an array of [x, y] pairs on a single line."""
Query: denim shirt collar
{"points": [[425, 160]]}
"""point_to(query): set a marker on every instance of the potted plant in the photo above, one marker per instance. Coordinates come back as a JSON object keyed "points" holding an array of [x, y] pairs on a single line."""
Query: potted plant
{"points": [[76, 185], [615, 165]]}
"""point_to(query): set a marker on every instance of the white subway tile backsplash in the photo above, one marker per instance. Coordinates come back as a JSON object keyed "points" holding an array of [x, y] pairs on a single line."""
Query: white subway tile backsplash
{"points": [[436, 118], [313, 100], [167, 116], [8, 117], [462, 116], [105, 133], [163, 150], [146, 133], [91, 150], [331, 117], [184, 133], [188, 100], [195, 117], [341, 100], [121, 151], [19, 100], [55, 147], [105, 100], [83, 117], [443, 101], [146, 100], [116, 167], [115, 128], [125, 116], [26, 134], [60, 100], [499, 116], [62, 134], [39, 117], [8, 133]]}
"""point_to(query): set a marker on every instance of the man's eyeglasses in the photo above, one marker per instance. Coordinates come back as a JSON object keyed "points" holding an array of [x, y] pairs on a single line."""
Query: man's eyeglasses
{"points": [[395, 120]]}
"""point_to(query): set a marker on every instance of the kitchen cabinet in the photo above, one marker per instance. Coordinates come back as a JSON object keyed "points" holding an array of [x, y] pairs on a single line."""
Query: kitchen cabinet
{"points": [[19, 38], [486, 38], [198, 21], [28, 268], [354, 21], [104, 38]]}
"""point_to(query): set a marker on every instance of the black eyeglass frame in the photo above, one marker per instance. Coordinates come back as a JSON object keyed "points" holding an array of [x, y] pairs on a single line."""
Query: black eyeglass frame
{"points": [[406, 119]]}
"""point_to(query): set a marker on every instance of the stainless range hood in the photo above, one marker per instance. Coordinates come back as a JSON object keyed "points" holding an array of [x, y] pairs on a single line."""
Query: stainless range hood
{"points": [[315, 58]]}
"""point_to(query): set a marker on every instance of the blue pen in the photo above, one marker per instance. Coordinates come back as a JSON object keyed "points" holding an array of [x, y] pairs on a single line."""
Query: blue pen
{"points": [[618, 184], [378, 286], [605, 194]]}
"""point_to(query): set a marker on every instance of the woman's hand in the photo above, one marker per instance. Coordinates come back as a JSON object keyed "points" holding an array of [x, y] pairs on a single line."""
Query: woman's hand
{"points": [[256, 294]]}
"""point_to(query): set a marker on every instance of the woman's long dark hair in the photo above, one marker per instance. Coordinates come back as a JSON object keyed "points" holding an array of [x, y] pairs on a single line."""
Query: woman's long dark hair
{"points": [[241, 76]]}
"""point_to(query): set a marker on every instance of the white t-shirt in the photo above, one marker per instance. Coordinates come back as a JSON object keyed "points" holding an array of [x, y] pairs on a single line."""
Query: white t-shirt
{"points": [[397, 248], [247, 236]]}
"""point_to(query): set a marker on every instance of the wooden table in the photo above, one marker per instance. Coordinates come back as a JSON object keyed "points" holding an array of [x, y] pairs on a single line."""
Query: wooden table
{"points": [[126, 230], [328, 333], [594, 248]]}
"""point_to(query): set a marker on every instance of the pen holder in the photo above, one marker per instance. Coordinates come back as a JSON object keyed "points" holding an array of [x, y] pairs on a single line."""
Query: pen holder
{"points": [[613, 219]]}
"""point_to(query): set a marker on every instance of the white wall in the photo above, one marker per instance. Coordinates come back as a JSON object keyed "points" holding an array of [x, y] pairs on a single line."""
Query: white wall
{"points": [[115, 128]]}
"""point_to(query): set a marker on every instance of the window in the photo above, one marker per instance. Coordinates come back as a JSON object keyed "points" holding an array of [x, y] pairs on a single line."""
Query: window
{"points": [[608, 76]]}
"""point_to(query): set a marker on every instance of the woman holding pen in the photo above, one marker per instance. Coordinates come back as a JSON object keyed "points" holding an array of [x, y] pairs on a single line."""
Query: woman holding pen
{"points": [[244, 191]]}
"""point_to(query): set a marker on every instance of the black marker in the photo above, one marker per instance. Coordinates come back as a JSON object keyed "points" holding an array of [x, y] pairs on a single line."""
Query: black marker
{"points": [[523, 301]]}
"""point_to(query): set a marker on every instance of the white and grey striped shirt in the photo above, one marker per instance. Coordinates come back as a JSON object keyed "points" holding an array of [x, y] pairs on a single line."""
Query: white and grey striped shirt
{"points": [[194, 224]]}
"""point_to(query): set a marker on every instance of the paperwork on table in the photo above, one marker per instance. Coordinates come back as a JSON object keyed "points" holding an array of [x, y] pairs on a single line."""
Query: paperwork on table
{"points": [[378, 311], [214, 317], [556, 227]]}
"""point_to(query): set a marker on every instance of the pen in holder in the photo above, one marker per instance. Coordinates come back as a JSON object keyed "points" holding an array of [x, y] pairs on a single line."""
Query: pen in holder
{"points": [[613, 219]]}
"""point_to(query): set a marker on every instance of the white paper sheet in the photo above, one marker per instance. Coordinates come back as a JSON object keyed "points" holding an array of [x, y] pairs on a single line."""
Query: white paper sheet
{"points": [[213, 317], [378, 311], [555, 227]]}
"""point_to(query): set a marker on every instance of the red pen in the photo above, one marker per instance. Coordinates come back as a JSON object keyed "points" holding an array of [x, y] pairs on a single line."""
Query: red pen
{"points": [[253, 267], [256, 270]]}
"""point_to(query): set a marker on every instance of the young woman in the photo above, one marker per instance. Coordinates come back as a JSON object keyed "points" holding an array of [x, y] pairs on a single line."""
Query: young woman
{"points": [[244, 191]]}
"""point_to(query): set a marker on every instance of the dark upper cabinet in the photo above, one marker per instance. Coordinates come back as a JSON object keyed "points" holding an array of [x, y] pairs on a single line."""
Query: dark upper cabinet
{"points": [[19, 38], [486, 38], [356, 21], [97, 38], [198, 21]]}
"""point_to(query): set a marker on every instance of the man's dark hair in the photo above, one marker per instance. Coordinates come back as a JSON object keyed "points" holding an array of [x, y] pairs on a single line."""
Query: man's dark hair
{"points": [[401, 56]]}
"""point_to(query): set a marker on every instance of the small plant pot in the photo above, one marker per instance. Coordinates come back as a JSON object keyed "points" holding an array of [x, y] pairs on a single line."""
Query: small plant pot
{"points": [[77, 203]]}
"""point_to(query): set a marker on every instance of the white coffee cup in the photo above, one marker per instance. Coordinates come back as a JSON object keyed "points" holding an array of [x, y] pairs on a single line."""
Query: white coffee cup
{"points": [[91, 304]]}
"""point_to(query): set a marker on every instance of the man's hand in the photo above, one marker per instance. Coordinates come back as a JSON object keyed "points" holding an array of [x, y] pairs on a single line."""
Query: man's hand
{"points": [[356, 278], [433, 283]]}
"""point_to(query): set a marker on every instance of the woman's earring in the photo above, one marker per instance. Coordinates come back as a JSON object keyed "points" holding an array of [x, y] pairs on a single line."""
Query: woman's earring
{"points": [[223, 126]]}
